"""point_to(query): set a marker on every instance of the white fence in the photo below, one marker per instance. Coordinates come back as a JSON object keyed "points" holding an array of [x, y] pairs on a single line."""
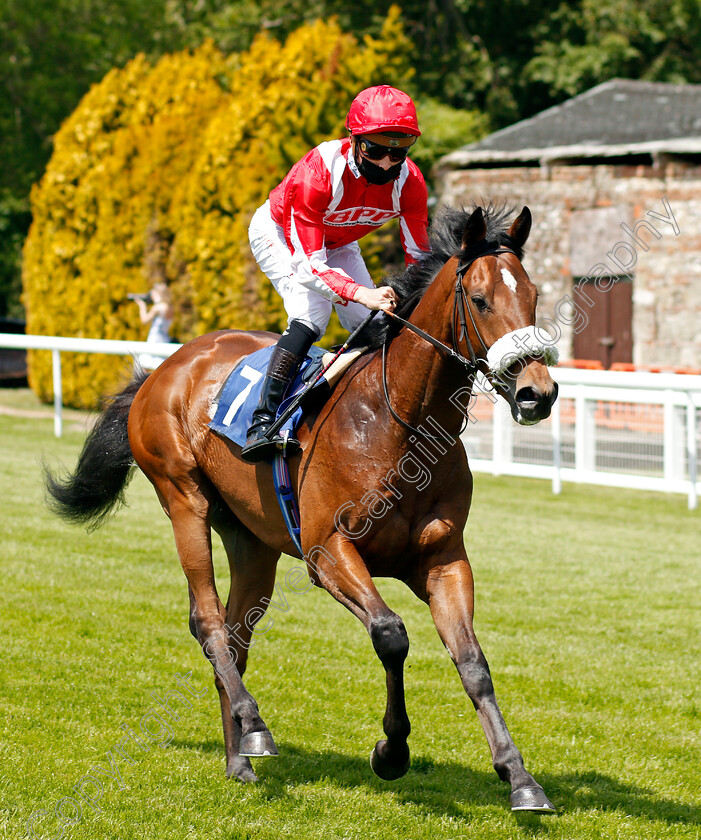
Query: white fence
{"points": [[620, 429], [57, 344]]}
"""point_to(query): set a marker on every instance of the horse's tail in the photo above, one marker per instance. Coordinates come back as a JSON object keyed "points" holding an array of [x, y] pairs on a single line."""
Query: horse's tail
{"points": [[88, 495]]}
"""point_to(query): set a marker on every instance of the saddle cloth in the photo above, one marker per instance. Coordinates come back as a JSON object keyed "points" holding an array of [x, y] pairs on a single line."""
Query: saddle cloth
{"points": [[241, 393]]}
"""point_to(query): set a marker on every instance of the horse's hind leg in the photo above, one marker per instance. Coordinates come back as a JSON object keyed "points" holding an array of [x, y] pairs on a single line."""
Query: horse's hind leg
{"points": [[189, 509], [253, 566], [342, 572], [236, 765], [448, 588]]}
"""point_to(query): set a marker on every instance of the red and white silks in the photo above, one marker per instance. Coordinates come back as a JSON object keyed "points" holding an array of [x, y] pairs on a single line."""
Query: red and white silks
{"points": [[305, 236]]}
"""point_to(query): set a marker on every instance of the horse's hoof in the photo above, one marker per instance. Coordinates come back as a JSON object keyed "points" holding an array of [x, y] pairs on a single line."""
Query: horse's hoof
{"points": [[240, 768], [258, 744], [385, 770], [531, 799]]}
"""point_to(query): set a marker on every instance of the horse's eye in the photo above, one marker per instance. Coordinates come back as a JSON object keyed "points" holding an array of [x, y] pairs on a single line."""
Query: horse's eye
{"points": [[480, 303]]}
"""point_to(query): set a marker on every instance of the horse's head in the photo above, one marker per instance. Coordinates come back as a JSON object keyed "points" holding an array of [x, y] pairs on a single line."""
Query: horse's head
{"points": [[495, 317]]}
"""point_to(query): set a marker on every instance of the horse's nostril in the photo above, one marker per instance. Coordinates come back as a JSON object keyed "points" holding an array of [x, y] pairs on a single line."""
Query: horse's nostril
{"points": [[527, 396]]}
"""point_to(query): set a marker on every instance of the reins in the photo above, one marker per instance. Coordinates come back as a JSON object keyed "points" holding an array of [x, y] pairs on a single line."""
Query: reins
{"points": [[471, 365]]}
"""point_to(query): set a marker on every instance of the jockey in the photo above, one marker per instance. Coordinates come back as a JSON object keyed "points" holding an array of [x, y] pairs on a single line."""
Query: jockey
{"points": [[305, 237]]}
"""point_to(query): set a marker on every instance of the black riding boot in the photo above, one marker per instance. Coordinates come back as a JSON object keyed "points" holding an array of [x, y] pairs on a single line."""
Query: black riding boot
{"points": [[284, 363]]}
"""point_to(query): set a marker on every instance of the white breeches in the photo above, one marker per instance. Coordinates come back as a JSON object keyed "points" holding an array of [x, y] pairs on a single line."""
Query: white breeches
{"points": [[311, 305]]}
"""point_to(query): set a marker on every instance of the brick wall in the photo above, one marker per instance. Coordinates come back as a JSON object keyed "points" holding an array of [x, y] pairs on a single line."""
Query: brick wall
{"points": [[666, 276]]}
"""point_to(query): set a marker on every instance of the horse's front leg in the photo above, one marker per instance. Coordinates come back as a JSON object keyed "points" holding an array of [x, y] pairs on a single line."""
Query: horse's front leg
{"points": [[341, 571], [448, 587]]}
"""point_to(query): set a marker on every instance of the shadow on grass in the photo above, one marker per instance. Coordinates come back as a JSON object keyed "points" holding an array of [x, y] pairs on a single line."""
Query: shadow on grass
{"points": [[440, 786], [592, 791]]}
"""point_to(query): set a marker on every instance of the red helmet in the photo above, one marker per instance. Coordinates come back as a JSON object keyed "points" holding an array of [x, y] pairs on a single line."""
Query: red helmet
{"points": [[382, 108]]}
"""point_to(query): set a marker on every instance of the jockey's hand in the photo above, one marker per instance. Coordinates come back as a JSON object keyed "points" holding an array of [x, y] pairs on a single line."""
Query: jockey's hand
{"points": [[382, 297]]}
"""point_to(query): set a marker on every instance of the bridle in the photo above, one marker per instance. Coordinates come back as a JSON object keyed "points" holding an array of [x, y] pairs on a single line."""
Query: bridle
{"points": [[461, 306], [461, 303]]}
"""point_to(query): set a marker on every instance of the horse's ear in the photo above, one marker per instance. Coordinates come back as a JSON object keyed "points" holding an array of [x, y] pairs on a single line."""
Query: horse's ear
{"points": [[475, 228], [521, 227]]}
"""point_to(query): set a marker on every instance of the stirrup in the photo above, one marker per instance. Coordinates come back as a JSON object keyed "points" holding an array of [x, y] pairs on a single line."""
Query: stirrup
{"points": [[261, 449], [258, 448]]}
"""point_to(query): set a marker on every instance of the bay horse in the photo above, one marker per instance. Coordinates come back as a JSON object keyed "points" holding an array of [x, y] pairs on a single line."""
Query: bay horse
{"points": [[382, 482]]}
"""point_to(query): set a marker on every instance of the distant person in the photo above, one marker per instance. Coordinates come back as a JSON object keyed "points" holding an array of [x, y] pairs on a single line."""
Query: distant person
{"points": [[155, 309]]}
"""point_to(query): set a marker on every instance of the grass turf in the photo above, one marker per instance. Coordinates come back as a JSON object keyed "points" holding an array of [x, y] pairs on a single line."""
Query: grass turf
{"points": [[587, 609]]}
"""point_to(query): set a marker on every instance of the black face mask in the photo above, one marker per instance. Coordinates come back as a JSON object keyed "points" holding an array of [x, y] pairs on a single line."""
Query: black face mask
{"points": [[376, 174]]}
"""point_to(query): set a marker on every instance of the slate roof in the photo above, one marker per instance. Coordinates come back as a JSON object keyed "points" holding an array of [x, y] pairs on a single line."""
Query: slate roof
{"points": [[618, 117]]}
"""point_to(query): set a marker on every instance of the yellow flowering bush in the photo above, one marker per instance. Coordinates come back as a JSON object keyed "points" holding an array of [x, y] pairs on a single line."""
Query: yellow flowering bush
{"points": [[160, 168]]}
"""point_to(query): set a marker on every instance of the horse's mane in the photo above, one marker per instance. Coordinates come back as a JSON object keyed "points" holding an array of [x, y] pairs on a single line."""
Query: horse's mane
{"points": [[445, 240]]}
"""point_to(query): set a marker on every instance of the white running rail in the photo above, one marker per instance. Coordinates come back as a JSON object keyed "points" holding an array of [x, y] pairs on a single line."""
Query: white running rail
{"points": [[613, 428], [618, 429], [57, 344]]}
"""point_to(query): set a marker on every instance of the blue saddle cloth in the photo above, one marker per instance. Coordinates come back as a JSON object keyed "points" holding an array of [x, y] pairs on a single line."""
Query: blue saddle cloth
{"points": [[241, 393]]}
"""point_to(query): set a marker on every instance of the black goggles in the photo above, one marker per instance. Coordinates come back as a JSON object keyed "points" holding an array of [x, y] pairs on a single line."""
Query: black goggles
{"points": [[376, 151]]}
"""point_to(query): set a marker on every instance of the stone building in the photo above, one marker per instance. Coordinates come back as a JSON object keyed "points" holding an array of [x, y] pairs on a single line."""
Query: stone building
{"points": [[613, 179]]}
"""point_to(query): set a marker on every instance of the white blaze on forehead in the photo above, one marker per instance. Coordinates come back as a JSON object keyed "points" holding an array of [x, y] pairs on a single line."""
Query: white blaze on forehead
{"points": [[508, 279]]}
